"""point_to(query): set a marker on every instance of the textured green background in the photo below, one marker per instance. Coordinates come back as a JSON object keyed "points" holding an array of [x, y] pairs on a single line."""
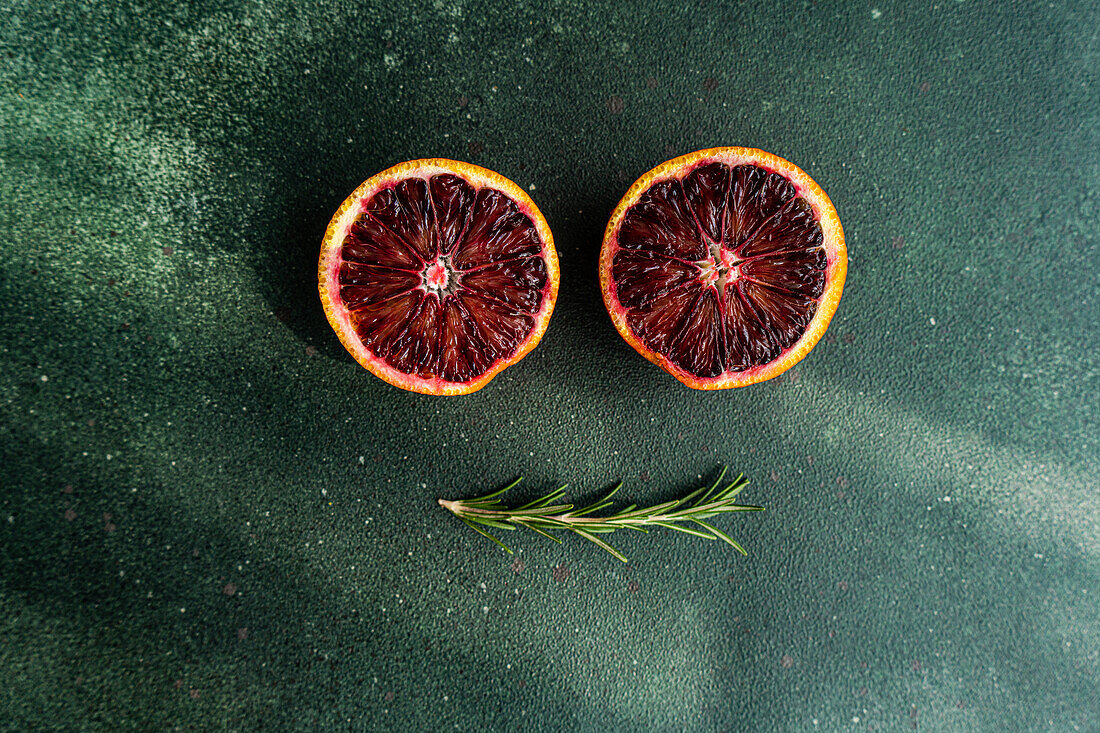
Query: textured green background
{"points": [[211, 517]]}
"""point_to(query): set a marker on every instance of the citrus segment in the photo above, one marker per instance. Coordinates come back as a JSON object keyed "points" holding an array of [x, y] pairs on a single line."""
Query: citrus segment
{"points": [[723, 266], [436, 275]]}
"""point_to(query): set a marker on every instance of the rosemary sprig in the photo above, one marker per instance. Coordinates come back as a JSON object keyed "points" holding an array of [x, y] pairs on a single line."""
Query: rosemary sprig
{"points": [[543, 515]]}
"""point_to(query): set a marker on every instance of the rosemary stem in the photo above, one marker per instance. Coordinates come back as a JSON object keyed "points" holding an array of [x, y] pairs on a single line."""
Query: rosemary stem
{"points": [[541, 515]]}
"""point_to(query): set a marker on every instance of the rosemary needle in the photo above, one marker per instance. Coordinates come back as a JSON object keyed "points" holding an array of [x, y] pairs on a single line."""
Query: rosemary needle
{"points": [[687, 515]]}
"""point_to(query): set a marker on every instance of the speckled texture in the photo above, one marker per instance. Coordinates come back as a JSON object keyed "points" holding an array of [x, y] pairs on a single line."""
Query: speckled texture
{"points": [[211, 517]]}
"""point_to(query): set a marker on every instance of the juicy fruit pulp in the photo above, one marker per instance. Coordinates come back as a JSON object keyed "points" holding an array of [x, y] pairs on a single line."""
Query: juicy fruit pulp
{"points": [[720, 272], [442, 296], [441, 281]]}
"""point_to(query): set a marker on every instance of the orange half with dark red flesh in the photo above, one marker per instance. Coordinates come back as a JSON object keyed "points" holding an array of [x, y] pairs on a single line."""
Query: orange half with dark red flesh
{"points": [[436, 275], [724, 266]]}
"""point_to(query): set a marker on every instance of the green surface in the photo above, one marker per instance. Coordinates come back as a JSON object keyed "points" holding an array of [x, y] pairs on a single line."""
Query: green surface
{"points": [[211, 517]]}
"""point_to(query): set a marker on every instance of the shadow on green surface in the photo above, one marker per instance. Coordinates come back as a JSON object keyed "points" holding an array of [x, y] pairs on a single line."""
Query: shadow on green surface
{"points": [[320, 134], [161, 623]]}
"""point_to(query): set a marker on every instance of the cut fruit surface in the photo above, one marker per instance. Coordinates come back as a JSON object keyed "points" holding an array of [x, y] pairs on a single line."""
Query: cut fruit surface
{"points": [[724, 266], [436, 275]]}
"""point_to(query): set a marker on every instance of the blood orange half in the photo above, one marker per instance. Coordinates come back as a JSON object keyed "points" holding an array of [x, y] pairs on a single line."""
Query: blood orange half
{"points": [[723, 266], [436, 275]]}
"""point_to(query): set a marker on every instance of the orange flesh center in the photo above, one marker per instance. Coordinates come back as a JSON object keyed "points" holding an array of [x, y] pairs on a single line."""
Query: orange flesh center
{"points": [[718, 269], [437, 275]]}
